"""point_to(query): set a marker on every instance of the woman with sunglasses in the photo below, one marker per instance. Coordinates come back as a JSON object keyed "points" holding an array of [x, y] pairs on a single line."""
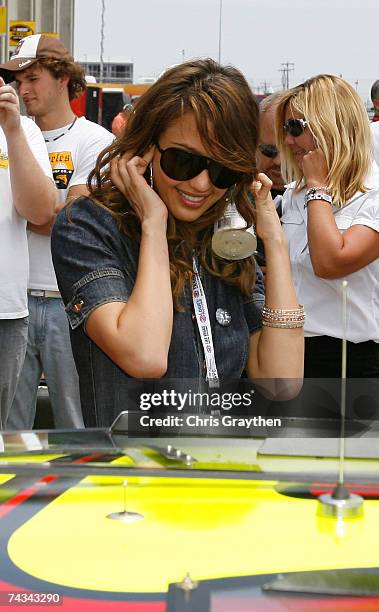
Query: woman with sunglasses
{"points": [[331, 219], [145, 296]]}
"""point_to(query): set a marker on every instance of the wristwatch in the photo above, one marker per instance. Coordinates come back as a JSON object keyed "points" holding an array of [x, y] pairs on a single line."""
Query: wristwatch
{"points": [[317, 193]]}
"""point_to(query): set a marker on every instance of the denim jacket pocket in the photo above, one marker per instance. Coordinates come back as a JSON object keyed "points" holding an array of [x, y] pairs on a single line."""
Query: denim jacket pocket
{"points": [[94, 289]]}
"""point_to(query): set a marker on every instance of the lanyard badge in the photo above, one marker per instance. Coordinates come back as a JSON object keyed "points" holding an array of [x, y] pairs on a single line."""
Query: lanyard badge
{"points": [[204, 326]]}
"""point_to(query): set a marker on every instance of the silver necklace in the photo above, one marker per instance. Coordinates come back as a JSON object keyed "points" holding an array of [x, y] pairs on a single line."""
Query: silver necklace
{"points": [[60, 135]]}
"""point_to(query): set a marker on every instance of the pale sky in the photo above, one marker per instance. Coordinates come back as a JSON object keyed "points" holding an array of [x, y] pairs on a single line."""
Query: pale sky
{"points": [[336, 36]]}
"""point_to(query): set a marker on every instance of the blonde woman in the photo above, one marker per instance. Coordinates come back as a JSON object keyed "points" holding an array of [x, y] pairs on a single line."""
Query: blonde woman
{"points": [[331, 219]]}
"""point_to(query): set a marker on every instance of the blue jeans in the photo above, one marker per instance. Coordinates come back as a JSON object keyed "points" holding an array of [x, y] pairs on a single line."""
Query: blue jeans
{"points": [[13, 339], [48, 351]]}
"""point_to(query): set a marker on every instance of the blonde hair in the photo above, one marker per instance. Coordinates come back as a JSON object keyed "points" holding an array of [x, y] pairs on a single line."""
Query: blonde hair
{"points": [[340, 127]]}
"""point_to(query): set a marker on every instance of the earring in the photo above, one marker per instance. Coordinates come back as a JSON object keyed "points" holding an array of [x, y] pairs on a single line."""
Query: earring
{"points": [[229, 194], [151, 178]]}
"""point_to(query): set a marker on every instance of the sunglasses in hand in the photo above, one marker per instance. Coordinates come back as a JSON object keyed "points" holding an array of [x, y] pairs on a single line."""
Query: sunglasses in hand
{"points": [[181, 165]]}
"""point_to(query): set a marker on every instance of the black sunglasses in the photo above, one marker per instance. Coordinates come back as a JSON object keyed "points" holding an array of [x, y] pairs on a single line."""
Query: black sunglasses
{"points": [[181, 165], [295, 127], [268, 150]]}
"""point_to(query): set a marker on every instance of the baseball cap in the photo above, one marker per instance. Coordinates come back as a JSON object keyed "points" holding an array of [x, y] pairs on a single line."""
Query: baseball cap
{"points": [[29, 50]]}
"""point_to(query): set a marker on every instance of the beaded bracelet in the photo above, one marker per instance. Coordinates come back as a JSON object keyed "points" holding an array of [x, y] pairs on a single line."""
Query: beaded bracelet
{"points": [[317, 193], [323, 187], [283, 318]]}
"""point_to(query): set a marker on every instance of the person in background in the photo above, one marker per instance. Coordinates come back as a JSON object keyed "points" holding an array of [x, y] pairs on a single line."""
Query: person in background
{"points": [[268, 156], [47, 78], [27, 195], [375, 121], [331, 219], [375, 141], [146, 296], [375, 100], [268, 159], [121, 118]]}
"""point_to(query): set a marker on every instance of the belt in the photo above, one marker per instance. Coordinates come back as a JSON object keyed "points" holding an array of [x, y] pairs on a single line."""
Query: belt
{"points": [[44, 293]]}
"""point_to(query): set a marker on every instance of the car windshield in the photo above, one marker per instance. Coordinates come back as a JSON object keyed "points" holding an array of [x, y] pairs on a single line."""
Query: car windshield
{"points": [[290, 439]]}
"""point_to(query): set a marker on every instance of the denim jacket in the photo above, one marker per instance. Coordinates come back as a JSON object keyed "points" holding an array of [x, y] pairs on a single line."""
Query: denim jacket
{"points": [[96, 264]]}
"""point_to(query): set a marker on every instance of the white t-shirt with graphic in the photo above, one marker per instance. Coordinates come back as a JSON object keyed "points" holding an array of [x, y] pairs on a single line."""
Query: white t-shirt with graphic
{"points": [[14, 261], [73, 150]]}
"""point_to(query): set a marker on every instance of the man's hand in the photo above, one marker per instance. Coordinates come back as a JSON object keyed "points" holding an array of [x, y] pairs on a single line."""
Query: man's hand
{"points": [[9, 108]]}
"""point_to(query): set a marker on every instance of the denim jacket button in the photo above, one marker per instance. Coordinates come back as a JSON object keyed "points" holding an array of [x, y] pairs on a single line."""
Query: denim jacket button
{"points": [[223, 317], [77, 307]]}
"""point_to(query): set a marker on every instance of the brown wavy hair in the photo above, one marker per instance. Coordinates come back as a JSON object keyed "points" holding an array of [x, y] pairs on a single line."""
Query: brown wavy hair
{"points": [[227, 117], [59, 68]]}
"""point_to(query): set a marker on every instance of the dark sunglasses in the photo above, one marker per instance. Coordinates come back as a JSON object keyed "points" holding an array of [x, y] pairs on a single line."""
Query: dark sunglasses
{"points": [[181, 165], [268, 150], [295, 127]]}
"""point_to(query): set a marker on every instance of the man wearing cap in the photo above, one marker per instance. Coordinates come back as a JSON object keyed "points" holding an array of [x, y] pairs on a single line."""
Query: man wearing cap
{"points": [[27, 193], [47, 78]]}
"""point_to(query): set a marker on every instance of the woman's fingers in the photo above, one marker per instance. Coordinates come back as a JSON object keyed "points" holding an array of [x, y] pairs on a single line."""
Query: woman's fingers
{"points": [[116, 178], [261, 188], [149, 154], [128, 174], [125, 170], [315, 168], [137, 166], [266, 218]]}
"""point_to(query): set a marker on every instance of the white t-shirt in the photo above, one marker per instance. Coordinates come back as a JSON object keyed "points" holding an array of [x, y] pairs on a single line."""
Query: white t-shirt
{"points": [[73, 153], [13, 242], [322, 298], [375, 140]]}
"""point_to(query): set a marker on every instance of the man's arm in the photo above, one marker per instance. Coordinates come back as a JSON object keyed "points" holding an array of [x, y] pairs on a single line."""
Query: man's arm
{"points": [[76, 191], [33, 193]]}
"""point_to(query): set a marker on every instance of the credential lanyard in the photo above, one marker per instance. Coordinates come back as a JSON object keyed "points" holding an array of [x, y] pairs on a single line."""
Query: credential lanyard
{"points": [[204, 325]]}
